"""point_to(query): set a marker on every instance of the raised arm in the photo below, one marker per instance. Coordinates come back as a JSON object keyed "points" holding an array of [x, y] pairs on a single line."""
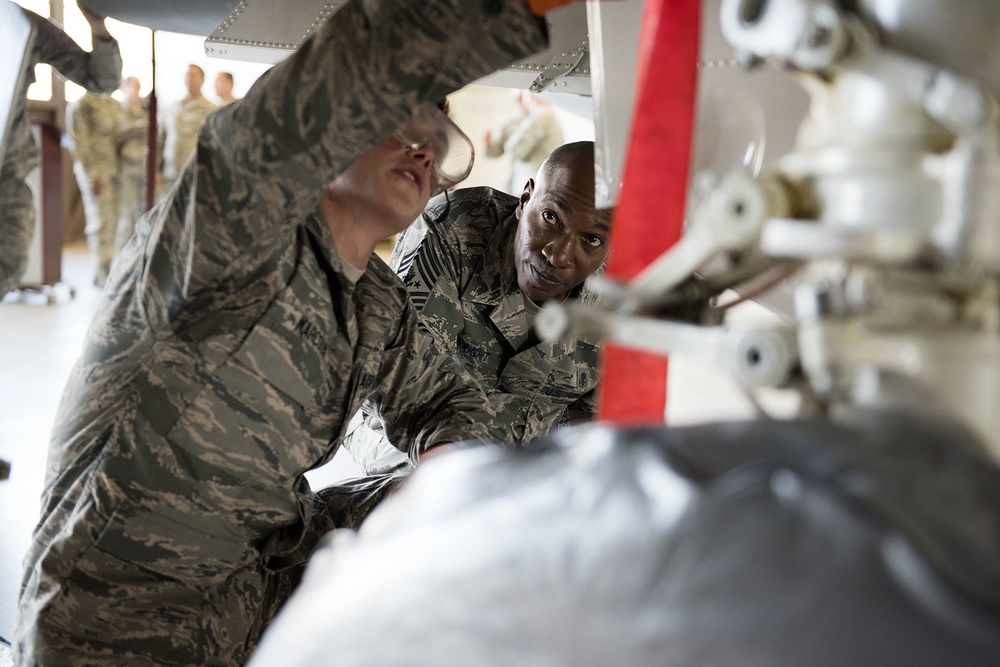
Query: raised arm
{"points": [[365, 72], [98, 70], [263, 162]]}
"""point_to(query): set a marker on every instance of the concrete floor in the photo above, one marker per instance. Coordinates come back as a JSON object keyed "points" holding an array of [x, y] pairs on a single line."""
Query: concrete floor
{"points": [[39, 343]]}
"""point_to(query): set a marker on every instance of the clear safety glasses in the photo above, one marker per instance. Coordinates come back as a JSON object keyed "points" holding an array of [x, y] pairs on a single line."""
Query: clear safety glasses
{"points": [[453, 151]]}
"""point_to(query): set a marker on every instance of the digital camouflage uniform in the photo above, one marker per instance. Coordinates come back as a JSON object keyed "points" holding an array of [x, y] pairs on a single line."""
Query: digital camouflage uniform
{"points": [[98, 70], [461, 277], [131, 145], [97, 119], [230, 349], [179, 124]]}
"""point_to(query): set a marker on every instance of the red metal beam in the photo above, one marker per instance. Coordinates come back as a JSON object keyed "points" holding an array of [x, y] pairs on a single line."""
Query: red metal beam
{"points": [[649, 216]]}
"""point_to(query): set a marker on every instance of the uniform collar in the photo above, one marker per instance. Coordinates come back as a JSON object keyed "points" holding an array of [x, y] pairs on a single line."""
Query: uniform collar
{"points": [[323, 245]]}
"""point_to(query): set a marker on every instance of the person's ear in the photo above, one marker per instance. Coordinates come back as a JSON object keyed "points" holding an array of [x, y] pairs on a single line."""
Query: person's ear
{"points": [[529, 188]]}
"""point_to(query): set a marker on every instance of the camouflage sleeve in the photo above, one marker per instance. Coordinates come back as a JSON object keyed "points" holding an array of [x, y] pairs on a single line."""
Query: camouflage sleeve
{"points": [[424, 397], [586, 403], [263, 162], [435, 267], [98, 70]]}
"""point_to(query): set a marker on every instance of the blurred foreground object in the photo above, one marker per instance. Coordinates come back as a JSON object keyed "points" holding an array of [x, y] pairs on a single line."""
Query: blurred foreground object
{"points": [[758, 544]]}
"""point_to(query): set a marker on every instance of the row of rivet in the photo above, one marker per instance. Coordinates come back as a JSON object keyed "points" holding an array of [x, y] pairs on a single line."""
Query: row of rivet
{"points": [[326, 12]]}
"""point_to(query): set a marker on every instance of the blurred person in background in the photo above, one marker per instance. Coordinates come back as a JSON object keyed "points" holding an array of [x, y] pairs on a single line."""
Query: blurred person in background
{"points": [[130, 143], [95, 123], [179, 124], [98, 70], [527, 138]]}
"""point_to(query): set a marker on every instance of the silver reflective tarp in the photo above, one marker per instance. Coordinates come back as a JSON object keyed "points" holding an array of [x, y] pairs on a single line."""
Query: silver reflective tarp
{"points": [[763, 543]]}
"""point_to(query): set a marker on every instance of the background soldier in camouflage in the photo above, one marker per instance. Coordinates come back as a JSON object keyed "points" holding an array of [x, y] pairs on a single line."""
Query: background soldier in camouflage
{"points": [[130, 143], [99, 70], [96, 122], [179, 124], [240, 328], [477, 266], [526, 139]]}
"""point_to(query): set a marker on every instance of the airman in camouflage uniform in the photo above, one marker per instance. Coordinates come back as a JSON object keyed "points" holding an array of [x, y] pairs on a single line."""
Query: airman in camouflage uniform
{"points": [[99, 70], [131, 143], [179, 124], [96, 121], [234, 341], [476, 277]]}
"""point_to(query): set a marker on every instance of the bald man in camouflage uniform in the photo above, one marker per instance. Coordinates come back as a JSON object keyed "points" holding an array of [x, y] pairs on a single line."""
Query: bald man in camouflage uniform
{"points": [[98, 70], [97, 119], [237, 335], [469, 265]]}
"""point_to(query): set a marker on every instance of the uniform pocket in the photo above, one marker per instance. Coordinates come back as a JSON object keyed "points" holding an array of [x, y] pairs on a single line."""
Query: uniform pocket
{"points": [[167, 600], [198, 550], [288, 349], [263, 414], [146, 583]]}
